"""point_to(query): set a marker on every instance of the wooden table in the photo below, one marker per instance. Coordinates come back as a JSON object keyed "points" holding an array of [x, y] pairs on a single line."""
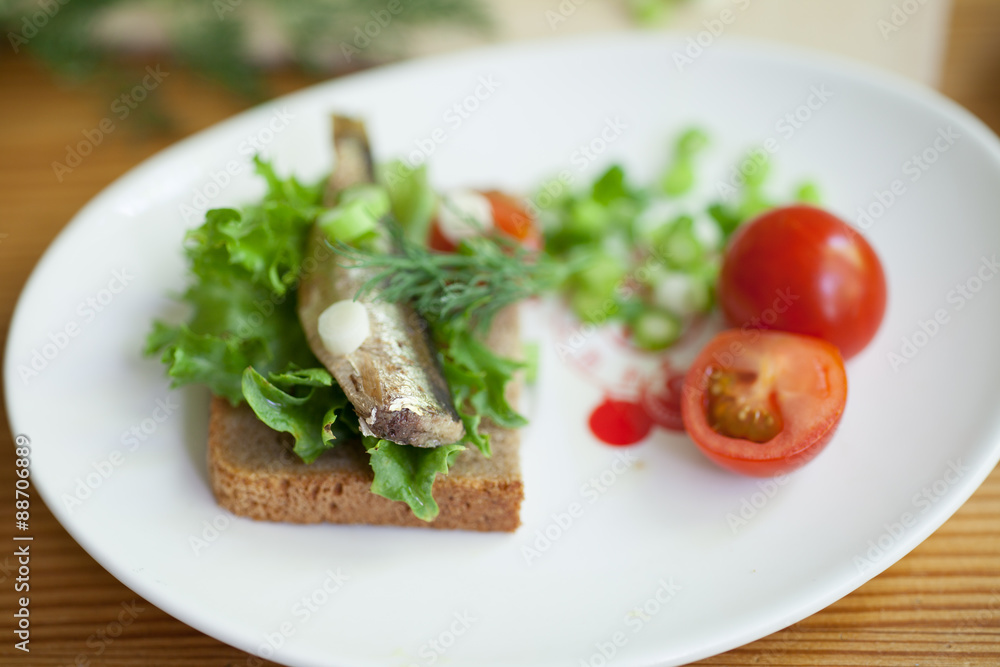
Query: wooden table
{"points": [[940, 605]]}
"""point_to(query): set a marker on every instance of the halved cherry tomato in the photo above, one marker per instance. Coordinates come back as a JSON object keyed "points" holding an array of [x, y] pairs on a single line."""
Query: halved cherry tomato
{"points": [[764, 402], [438, 241], [509, 216], [803, 270]]}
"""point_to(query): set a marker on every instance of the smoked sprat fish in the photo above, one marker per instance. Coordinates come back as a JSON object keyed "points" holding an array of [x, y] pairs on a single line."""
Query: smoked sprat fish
{"points": [[394, 379]]}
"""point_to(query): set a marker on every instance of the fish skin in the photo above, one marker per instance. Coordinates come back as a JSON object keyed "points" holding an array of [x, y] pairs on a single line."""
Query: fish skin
{"points": [[394, 380]]}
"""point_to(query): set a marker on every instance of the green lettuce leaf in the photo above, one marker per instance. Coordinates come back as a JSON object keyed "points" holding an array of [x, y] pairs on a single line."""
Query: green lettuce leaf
{"points": [[407, 473], [311, 417], [245, 265], [478, 380]]}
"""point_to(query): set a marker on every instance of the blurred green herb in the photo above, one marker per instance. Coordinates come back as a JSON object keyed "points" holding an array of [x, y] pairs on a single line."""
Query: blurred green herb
{"points": [[213, 38]]}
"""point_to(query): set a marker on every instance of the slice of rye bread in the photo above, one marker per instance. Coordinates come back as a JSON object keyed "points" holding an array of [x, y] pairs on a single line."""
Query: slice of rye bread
{"points": [[254, 472]]}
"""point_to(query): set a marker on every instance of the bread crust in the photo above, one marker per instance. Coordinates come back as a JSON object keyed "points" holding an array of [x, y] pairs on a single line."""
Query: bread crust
{"points": [[254, 473]]}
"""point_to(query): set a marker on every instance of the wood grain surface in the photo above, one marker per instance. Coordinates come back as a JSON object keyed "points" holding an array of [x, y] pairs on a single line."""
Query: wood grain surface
{"points": [[940, 605]]}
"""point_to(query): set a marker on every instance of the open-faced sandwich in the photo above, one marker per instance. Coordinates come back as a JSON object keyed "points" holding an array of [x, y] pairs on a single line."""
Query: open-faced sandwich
{"points": [[359, 376]]}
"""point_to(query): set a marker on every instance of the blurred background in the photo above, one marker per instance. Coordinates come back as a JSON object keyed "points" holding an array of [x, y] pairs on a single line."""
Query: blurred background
{"points": [[239, 45], [130, 77]]}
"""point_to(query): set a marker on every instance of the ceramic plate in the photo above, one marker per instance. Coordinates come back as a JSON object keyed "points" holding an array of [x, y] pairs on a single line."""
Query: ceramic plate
{"points": [[647, 555]]}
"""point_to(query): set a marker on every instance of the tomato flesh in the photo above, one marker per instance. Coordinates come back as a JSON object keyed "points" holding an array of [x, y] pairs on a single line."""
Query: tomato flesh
{"points": [[740, 405], [803, 270], [510, 217], [764, 402]]}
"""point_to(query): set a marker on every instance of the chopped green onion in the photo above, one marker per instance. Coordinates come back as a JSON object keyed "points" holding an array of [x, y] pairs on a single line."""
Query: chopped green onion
{"points": [[726, 217], [678, 245], [588, 217], [756, 167], [351, 221], [678, 179], [593, 308], [648, 12], [753, 205], [808, 193], [683, 293], [692, 142], [599, 274], [650, 256], [610, 186], [655, 329], [413, 200]]}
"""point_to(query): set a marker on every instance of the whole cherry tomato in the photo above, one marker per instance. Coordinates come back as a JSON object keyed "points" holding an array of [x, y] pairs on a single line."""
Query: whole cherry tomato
{"points": [[803, 270]]}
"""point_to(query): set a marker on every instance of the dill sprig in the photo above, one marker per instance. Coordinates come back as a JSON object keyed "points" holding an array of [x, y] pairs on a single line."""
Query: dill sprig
{"points": [[484, 276]]}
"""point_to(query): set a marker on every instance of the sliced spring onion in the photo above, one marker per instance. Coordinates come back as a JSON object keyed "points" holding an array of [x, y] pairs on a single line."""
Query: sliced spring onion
{"points": [[650, 256], [683, 293], [678, 245], [679, 177], [413, 199], [356, 215], [808, 193], [655, 329]]}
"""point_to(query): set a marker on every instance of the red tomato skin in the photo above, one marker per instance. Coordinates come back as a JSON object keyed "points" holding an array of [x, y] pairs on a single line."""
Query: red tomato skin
{"points": [[772, 467], [791, 449], [438, 241], [509, 217], [807, 272]]}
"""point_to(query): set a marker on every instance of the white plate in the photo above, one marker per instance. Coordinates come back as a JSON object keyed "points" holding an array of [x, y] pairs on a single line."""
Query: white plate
{"points": [[915, 441]]}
